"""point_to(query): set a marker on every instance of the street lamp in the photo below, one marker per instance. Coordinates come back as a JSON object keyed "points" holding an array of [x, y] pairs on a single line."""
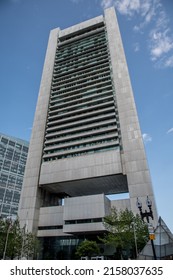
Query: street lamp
{"points": [[147, 215]]}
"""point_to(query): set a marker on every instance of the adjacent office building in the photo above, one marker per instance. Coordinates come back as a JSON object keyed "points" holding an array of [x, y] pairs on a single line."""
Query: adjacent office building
{"points": [[13, 155], [86, 141]]}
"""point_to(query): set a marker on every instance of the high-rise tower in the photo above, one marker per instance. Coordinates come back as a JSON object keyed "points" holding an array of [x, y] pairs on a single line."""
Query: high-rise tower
{"points": [[86, 141], [13, 155]]}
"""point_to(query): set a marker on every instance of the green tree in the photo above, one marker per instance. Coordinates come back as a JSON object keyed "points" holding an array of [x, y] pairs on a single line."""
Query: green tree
{"points": [[15, 242], [10, 238], [3, 231], [31, 246], [87, 248], [126, 232]]}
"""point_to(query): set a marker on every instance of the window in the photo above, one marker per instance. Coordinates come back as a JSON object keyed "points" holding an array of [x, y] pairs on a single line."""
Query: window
{"points": [[11, 143], [4, 140]]}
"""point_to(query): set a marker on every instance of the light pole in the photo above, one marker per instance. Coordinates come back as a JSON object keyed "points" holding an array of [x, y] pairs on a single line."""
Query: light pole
{"points": [[134, 232], [147, 215], [6, 240]]}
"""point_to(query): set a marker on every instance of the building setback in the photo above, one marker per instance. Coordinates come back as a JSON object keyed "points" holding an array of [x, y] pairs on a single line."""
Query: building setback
{"points": [[86, 141], [13, 155]]}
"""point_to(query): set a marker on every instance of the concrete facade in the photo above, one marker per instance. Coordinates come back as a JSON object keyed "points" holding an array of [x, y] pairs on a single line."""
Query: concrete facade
{"points": [[86, 141], [133, 155]]}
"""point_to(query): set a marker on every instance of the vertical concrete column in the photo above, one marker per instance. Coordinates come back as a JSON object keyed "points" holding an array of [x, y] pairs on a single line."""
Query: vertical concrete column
{"points": [[30, 196], [133, 154]]}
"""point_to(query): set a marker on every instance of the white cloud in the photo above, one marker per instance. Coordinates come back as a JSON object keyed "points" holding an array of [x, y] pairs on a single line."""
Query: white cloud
{"points": [[160, 43], [128, 7], [136, 47], [146, 137], [107, 3], [170, 130], [169, 62], [151, 14], [146, 8], [162, 20], [136, 28]]}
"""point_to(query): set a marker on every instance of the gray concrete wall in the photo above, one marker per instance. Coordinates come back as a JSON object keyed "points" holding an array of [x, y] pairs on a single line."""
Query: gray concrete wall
{"points": [[30, 196], [85, 207], [133, 154], [121, 204], [82, 167]]}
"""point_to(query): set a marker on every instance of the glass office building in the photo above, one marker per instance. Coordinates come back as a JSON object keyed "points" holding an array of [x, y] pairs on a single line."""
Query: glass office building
{"points": [[13, 156]]}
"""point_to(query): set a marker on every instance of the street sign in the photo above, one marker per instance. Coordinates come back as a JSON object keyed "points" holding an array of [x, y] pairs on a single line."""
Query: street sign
{"points": [[152, 236]]}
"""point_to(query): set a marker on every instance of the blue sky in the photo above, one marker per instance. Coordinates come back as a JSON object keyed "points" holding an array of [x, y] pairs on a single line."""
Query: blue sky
{"points": [[147, 33]]}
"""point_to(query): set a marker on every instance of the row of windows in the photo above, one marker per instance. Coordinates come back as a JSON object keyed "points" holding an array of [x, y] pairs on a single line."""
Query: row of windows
{"points": [[84, 57], [84, 129], [82, 40], [82, 112], [16, 187], [50, 227], [82, 48], [76, 121], [110, 111], [84, 221], [74, 96], [10, 152], [84, 91], [78, 138], [84, 96], [10, 177], [81, 74], [12, 157], [76, 154], [97, 130], [85, 87], [77, 134], [81, 51], [81, 66], [85, 106], [21, 161], [12, 167], [74, 46], [95, 28], [77, 80], [8, 210], [79, 146], [6, 183], [81, 100], [9, 197], [6, 141], [87, 91], [80, 115], [80, 80], [78, 47], [82, 124]]}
